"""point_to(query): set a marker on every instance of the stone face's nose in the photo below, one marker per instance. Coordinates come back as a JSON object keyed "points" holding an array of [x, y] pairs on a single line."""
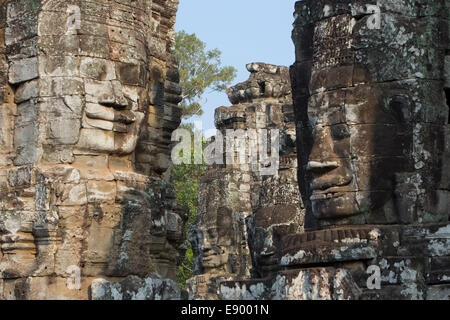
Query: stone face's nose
{"points": [[322, 157], [114, 97], [326, 165], [106, 93]]}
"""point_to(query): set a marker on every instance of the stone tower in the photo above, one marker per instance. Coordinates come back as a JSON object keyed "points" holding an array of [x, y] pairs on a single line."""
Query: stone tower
{"points": [[88, 101], [243, 207], [369, 85]]}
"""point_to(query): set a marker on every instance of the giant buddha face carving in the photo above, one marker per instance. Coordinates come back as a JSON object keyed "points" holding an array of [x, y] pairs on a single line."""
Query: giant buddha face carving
{"points": [[111, 120], [373, 138], [217, 238], [361, 139], [97, 89], [116, 92]]}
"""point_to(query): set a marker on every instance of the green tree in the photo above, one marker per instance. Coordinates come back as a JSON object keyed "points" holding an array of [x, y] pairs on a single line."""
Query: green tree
{"points": [[200, 69], [186, 181]]}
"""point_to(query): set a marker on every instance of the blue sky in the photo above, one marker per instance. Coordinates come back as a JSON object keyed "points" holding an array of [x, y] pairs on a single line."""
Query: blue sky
{"points": [[245, 31]]}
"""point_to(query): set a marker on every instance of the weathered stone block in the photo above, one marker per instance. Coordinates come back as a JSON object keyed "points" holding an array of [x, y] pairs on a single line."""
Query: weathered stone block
{"points": [[27, 91], [60, 45], [94, 46], [72, 194], [23, 70], [439, 292], [306, 284], [98, 69], [22, 177], [61, 86], [135, 288], [25, 137], [96, 140], [447, 72], [101, 191], [346, 244], [7, 112], [438, 271], [65, 131], [59, 66], [27, 113]]}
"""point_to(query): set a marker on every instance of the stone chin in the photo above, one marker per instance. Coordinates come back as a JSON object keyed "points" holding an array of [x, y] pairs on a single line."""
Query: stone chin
{"points": [[336, 206], [351, 204], [96, 140], [213, 262]]}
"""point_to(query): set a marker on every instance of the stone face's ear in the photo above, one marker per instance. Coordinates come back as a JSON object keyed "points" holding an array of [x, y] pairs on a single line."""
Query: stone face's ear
{"points": [[7, 112], [400, 107], [157, 87], [406, 197], [224, 218]]}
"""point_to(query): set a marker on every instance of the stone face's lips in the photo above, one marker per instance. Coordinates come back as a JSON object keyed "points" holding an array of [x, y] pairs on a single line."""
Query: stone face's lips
{"points": [[326, 195], [109, 136], [125, 116], [210, 253], [330, 187], [330, 183], [97, 111]]}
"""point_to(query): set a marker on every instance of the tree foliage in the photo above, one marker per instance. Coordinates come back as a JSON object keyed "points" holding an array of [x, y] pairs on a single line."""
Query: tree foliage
{"points": [[186, 181], [200, 69]]}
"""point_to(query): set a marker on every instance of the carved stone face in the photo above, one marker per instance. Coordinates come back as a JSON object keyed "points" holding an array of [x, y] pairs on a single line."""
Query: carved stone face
{"points": [[369, 141], [217, 238], [116, 91], [111, 120], [95, 88], [357, 131]]}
